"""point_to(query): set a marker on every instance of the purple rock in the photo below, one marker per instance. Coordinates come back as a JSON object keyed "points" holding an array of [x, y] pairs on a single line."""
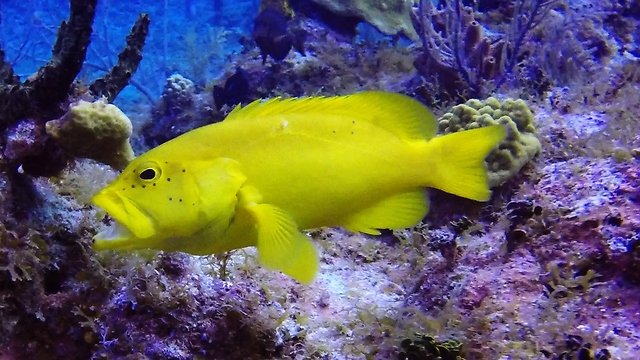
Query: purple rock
{"points": [[25, 138]]}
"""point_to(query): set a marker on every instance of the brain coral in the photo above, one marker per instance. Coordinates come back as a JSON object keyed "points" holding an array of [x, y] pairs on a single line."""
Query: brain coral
{"points": [[178, 92], [519, 146]]}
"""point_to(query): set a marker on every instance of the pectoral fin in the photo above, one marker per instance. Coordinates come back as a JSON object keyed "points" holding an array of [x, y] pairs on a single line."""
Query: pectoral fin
{"points": [[280, 244]]}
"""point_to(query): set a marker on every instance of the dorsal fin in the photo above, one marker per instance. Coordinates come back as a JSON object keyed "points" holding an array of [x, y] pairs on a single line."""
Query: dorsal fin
{"points": [[396, 113]]}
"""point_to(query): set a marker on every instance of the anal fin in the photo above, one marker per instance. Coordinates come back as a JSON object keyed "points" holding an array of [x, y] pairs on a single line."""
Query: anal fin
{"points": [[395, 212]]}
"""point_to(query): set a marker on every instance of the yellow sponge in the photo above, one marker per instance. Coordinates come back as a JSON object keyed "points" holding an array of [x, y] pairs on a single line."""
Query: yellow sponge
{"points": [[94, 130]]}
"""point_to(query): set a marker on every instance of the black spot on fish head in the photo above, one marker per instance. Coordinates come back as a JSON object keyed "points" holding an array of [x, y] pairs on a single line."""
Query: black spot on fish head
{"points": [[163, 189], [144, 175], [163, 193]]}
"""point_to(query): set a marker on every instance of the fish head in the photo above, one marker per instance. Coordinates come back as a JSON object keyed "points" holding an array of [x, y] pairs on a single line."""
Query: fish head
{"points": [[150, 201]]}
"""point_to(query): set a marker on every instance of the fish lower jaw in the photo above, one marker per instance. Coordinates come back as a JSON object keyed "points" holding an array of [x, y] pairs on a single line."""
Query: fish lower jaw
{"points": [[112, 237]]}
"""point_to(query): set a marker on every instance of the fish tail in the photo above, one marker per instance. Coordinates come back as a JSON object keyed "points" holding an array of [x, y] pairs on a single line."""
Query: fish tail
{"points": [[457, 161]]}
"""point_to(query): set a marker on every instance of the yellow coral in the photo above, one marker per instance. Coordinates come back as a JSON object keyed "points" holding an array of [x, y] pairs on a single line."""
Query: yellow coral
{"points": [[391, 17], [94, 130], [519, 146]]}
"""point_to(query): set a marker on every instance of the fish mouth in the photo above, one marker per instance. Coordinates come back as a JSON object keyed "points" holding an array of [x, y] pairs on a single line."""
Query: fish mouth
{"points": [[114, 236], [130, 224]]}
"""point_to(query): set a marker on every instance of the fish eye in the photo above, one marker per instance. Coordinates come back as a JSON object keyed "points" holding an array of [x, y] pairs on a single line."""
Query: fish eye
{"points": [[149, 171], [148, 174]]}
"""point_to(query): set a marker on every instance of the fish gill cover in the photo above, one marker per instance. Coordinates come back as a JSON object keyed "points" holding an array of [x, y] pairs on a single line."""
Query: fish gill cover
{"points": [[548, 268]]}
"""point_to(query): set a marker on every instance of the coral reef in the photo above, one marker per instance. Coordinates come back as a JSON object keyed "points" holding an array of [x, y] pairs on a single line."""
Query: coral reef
{"points": [[178, 93], [234, 91], [426, 347], [23, 139], [60, 300], [275, 37], [548, 269], [468, 57], [579, 349], [44, 91], [129, 58], [280, 5], [391, 17], [516, 150], [44, 95], [334, 68], [94, 130], [182, 107]]}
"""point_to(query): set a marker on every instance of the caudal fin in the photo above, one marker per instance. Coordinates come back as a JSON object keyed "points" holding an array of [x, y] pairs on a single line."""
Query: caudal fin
{"points": [[458, 163]]}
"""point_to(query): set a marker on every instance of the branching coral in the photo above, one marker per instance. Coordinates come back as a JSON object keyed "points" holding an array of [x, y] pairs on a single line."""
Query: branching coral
{"points": [[44, 95], [570, 49], [460, 56], [128, 60]]}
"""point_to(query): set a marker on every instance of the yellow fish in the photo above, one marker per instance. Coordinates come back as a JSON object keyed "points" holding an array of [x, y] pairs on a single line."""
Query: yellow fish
{"points": [[276, 167]]}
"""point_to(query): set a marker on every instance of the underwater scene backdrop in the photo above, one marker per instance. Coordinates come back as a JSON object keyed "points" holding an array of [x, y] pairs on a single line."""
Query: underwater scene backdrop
{"points": [[547, 268]]}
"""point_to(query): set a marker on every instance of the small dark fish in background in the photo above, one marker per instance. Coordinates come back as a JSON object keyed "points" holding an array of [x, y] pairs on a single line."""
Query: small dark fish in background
{"points": [[274, 38], [235, 90]]}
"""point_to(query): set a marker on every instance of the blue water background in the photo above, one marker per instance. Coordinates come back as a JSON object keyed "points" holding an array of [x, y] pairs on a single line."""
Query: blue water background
{"points": [[195, 38], [190, 37]]}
